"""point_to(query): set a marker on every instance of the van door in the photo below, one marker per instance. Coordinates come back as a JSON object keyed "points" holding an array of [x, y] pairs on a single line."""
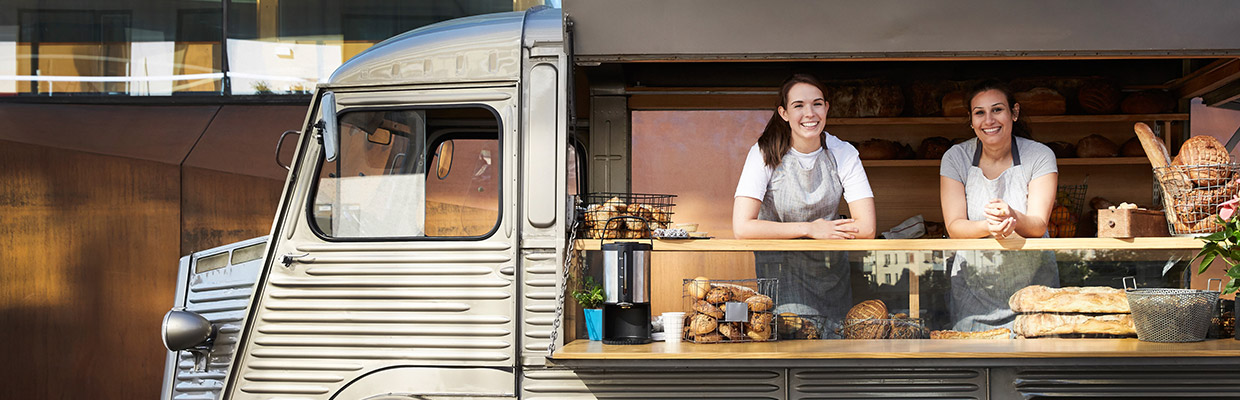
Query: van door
{"points": [[394, 262]]}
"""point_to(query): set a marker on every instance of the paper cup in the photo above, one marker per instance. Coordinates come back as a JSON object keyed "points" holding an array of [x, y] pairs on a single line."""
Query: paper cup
{"points": [[673, 324]]}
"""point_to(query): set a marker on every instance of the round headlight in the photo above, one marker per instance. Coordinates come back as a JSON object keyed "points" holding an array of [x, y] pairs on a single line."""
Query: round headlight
{"points": [[185, 329]]}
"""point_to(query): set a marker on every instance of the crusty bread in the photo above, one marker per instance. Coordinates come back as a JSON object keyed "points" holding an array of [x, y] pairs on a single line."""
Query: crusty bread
{"points": [[1035, 325], [869, 309], [1089, 299], [997, 333]]}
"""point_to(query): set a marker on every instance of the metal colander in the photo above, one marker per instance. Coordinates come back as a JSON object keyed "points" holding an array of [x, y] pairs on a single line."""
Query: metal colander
{"points": [[1171, 315]]}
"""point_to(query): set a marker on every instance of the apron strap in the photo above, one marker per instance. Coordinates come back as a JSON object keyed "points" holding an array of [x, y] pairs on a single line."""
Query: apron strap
{"points": [[977, 153]]}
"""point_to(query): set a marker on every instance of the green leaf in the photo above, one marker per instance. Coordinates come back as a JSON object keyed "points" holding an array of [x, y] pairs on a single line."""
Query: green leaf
{"points": [[1230, 288], [1234, 272], [1216, 236], [1205, 263]]}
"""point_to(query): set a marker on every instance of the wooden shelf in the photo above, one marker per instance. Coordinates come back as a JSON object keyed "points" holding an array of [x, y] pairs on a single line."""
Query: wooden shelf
{"points": [[1032, 119], [1163, 243], [1061, 161], [900, 349]]}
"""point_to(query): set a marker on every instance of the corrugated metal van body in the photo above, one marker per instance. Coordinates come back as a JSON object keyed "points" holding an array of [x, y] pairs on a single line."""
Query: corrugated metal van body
{"points": [[217, 284]]}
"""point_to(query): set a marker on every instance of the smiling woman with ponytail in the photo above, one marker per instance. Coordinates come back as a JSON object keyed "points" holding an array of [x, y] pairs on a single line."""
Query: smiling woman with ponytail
{"points": [[791, 187]]}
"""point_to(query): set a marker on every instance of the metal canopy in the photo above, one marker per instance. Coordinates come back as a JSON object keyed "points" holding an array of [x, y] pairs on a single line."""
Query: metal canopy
{"points": [[649, 30]]}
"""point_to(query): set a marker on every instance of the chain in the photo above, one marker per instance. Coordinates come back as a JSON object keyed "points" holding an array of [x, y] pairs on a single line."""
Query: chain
{"points": [[571, 258]]}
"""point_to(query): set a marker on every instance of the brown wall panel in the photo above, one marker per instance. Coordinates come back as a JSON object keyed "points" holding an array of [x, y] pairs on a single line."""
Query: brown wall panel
{"points": [[219, 208], [87, 272]]}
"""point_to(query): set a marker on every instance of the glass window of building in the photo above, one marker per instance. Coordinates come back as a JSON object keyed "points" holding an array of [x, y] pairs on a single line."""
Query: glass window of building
{"points": [[179, 47]]}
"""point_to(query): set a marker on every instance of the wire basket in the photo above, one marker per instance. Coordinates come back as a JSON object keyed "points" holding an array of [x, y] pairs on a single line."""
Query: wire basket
{"points": [[1069, 203], [602, 211], [792, 326], [891, 328], [1191, 195], [1171, 315], [730, 311]]}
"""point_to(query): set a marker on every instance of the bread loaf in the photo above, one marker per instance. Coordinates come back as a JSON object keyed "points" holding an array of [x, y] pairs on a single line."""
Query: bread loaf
{"points": [[1035, 325], [1041, 101], [878, 149], [866, 329], [1202, 151], [1096, 146], [997, 333], [869, 309], [868, 98], [1062, 149], [1099, 97], [932, 148], [1088, 299], [1147, 102], [1132, 148]]}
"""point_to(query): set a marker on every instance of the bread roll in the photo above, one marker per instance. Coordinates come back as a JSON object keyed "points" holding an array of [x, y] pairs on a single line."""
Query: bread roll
{"points": [[760, 321], [698, 287], [997, 333], [1088, 299], [703, 324], [712, 337], [1036, 325], [760, 302], [731, 331], [718, 295], [706, 308]]}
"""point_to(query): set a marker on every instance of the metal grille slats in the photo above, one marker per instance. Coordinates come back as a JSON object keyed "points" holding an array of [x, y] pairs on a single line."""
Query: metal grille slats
{"points": [[892, 383]]}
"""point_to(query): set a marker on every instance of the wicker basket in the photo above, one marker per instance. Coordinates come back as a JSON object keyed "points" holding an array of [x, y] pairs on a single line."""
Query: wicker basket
{"points": [[1171, 315], [1191, 195]]}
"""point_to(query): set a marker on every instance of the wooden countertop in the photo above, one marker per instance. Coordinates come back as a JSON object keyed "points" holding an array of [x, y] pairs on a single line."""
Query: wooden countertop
{"points": [[1145, 243], [900, 349]]}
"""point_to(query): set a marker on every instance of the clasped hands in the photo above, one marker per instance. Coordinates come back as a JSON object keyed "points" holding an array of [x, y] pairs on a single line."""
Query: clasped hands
{"points": [[1000, 219], [833, 229]]}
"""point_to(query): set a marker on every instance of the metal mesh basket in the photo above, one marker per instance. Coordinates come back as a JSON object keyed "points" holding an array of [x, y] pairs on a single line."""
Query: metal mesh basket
{"points": [[806, 327], [1171, 315], [710, 316], [608, 215], [890, 328], [1069, 203], [1191, 195]]}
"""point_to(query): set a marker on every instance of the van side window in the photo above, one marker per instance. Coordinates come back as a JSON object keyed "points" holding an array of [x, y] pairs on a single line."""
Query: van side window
{"points": [[411, 173]]}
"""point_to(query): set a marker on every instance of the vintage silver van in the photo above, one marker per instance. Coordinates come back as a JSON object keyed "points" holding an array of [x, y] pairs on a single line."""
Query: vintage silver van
{"points": [[419, 249]]}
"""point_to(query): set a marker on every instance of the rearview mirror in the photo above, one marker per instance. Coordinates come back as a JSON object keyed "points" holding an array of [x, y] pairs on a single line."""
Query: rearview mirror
{"points": [[444, 156], [331, 128]]}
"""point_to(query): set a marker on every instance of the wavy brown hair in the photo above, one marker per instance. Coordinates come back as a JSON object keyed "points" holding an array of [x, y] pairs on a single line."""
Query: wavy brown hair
{"points": [[1020, 127], [776, 138]]}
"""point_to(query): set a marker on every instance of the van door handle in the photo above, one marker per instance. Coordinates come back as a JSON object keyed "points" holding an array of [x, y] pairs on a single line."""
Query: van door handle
{"points": [[509, 270], [289, 258]]}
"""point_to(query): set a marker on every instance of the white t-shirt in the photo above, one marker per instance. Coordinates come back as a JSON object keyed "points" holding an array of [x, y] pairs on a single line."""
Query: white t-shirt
{"points": [[756, 175]]}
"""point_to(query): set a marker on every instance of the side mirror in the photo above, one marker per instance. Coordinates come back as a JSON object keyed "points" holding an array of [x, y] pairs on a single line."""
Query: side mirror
{"points": [[331, 128], [444, 156], [185, 330]]}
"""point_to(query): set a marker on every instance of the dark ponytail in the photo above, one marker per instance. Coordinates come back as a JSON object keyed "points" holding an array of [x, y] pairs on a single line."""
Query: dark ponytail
{"points": [[1021, 126], [776, 138]]}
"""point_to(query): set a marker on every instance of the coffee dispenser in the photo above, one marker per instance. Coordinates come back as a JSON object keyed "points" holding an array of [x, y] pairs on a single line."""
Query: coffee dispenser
{"points": [[626, 279]]}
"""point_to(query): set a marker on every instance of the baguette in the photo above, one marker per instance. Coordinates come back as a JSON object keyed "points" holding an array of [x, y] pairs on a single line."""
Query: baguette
{"points": [[1089, 299], [1035, 325], [997, 333]]}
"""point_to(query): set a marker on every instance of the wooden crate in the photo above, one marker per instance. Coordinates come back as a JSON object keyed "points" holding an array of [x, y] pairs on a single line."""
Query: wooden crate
{"points": [[1126, 223]]}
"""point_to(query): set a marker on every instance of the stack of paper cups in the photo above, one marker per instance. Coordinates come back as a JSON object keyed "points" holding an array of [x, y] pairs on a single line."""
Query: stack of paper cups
{"points": [[673, 325]]}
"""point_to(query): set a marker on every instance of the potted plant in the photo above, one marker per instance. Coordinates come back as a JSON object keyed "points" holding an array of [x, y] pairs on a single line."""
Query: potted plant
{"points": [[1224, 244], [590, 297]]}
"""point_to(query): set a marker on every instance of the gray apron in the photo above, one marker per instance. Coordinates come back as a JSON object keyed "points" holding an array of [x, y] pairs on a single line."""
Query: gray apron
{"points": [[810, 282], [982, 281]]}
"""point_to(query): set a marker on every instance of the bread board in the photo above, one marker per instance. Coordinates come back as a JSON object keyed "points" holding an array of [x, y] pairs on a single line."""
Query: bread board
{"points": [[1127, 223]]}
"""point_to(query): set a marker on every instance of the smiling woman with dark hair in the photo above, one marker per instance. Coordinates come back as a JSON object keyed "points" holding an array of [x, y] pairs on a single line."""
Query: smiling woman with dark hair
{"points": [[1000, 184], [791, 187]]}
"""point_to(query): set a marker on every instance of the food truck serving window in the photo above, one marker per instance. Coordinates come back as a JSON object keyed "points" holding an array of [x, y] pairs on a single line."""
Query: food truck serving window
{"points": [[411, 173]]}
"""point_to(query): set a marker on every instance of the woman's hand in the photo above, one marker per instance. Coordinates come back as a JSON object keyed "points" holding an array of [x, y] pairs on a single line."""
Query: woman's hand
{"points": [[1000, 219], [833, 229]]}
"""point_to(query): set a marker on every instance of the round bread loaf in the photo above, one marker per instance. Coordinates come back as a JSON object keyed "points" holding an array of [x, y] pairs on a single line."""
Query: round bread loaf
{"points": [[878, 149], [954, 105], [1147, 102], [932, 148], [1099, 97], [1096, 146], [1064, 149], [1041, 101], [1132, 148], [869, 309], [1205, 157]]}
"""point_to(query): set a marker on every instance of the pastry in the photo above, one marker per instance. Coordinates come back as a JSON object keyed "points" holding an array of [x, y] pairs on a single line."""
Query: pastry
{"points": [[1040, 324], [1088, 299], [703, 324], [760, 321], [718, 295], [703, 307], [698, 287], [760, 302], [712, 337], [997, 333], [869, 309], [741, 293], [758, 336], [731, 331]]}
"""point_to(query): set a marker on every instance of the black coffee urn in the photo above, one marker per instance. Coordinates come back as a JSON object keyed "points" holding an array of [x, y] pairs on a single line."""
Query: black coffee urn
{"points": [[626, 279]]}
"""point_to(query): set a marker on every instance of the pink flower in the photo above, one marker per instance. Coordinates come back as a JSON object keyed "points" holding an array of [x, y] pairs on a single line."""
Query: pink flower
{"points": [[1228, 209]]}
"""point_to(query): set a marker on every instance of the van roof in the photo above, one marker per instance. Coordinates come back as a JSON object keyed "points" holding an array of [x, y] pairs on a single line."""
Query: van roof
{"points": [[470, 49]]}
